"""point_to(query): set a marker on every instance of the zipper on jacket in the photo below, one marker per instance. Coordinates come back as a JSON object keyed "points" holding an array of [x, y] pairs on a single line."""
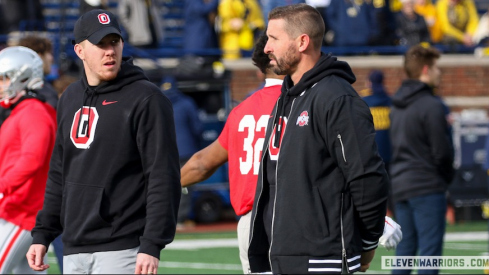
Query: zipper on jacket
{"points": [[342, 147], [276, 188], [261, 191], [343, 250]]}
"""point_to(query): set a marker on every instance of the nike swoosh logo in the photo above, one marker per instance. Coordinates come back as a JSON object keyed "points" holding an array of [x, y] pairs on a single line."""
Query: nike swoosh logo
{"points": [[108, 102]]}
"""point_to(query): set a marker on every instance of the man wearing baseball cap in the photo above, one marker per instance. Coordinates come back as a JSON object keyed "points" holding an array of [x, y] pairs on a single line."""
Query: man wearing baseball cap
{"points": [[114, 179]]}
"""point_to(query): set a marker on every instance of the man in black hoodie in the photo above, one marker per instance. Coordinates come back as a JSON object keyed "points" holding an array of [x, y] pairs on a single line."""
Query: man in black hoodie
{"points": [[114, 183], [422, 157], [322, 187]]}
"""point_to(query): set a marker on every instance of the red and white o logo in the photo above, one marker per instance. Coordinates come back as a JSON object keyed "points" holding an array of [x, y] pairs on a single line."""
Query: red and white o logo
{"points": [[273, 151], [103, 18], [83, 128]]}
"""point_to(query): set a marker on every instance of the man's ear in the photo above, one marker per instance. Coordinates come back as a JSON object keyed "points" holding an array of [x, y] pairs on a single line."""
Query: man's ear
{"points": [[425, 69], [304, 42], [79, 51]]}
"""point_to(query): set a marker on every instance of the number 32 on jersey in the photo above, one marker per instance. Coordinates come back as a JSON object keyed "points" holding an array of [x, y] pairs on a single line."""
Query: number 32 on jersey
{"points": [[252, 143]]}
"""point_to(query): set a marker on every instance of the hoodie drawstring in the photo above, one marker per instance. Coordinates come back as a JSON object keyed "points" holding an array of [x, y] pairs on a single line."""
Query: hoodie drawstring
{"points": [[279, 121], [91, 94], [81, 112]]}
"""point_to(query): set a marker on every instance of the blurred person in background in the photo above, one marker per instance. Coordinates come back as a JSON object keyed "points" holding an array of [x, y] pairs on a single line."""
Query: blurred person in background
{"points": [[188, 128], [350, 22], [44, 48], [200, 34], [240, 21], [481, 34], [21, 15], [411, 27], [26, 142], [383, 23], [142, 21], [459, 20], [426, 9], [422, 157], [380, 103]]}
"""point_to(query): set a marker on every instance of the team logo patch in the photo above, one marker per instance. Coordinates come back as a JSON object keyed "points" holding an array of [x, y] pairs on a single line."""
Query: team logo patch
{"points": [[103, 18], [303, 119], [83, 128]]}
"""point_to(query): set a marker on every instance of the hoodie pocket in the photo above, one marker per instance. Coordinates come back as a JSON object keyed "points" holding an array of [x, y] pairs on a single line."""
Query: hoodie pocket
{"points": [[81, 217], [323, 217]]}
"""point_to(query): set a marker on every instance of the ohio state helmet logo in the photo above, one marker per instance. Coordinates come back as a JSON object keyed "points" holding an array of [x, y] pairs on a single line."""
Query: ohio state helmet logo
{"points": [[83, 127], [303, 119], [103, 18]]}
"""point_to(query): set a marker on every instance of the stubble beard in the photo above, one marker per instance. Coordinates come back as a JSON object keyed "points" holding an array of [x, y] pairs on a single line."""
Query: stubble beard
{"points": [[287, 64]]}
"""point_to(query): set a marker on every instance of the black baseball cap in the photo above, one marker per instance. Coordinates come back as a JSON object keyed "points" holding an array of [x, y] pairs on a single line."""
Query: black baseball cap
{"points": [[95, 25]]}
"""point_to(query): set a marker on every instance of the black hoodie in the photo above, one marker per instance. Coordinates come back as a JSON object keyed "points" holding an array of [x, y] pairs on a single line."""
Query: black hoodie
{"points": [[329, 199], [114, 179], [422, 152]]}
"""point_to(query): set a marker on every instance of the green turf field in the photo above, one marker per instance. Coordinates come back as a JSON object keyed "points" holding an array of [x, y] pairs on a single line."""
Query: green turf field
{"points": [[217, 253]]}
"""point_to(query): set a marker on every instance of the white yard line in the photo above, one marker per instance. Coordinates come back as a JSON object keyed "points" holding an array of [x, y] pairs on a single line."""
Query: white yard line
{"points": [[163, 263]]}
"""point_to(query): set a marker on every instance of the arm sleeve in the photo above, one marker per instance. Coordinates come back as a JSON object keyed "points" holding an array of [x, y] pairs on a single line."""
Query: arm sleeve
{"points": [[351, 136], [35, 136], [436, 127], [48, 225], [157, 145], [473, 17], [446, 27]]}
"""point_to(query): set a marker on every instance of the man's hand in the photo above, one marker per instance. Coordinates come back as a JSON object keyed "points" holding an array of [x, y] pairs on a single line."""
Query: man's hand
{"points": [[146, 264], [365, 260], [392, 234], [35, 257]]}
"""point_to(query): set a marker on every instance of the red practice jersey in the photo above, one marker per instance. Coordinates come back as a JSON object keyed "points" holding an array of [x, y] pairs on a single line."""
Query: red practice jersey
{"points": [[243, 137]]}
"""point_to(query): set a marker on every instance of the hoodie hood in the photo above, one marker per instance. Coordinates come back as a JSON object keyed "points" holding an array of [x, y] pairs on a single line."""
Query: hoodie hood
{"points": [[409, 92], [326, 65], [127, 74]]}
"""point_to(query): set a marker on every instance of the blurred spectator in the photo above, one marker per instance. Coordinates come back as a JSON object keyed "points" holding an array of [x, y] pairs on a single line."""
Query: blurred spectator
{"points": [[142, 21], [411, 27], [44, 48], [240, 20], [481, 34], [88, 5], [350, 22], [426, 9], [268, 5], [459, 20], [380, 103], [200, 34], [396, 6], [383, 23], [422, 157], [21, 15], [188, 129]]}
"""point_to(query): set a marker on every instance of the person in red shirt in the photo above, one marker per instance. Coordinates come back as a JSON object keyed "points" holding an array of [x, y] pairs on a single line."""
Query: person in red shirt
{"points": [[240, 143], [26, 141]]}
